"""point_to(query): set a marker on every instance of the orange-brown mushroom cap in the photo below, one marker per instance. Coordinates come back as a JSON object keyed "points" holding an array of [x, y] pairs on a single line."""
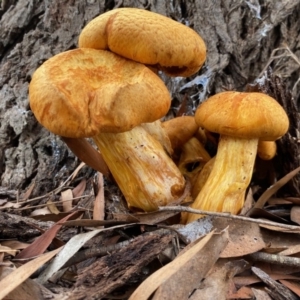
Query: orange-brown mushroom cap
{"points": [[147, 37], [243, 115], [84, 92]]}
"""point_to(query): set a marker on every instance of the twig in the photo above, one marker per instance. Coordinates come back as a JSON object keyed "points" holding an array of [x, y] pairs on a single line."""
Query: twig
{"points": [[227, 215], [46, 204], [276, 259]]}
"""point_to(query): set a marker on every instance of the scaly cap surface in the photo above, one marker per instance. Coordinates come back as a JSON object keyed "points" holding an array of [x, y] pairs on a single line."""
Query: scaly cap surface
{"points": [[146, 37], [83, 92]]}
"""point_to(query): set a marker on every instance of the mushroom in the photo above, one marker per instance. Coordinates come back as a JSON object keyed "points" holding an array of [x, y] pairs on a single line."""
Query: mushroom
{"points": [[180, 130], [148, 38], [94, 93], [241, 119], [266, 150]]}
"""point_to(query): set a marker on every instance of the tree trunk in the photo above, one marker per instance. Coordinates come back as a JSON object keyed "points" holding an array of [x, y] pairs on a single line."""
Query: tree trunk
{"points": [[241, 37]]}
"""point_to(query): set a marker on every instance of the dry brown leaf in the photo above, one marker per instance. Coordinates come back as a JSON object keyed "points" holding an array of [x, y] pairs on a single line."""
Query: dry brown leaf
{"points": [[186, 271], [14, 244], [150, 218], [27, 290], [249, 200], [79, 189], [292, 285], [67, 198], [27, 194], [8, 250], [55, 217], [218, 282], [273, 189], [40, 245], [241, 281], [292, 250], [40, 212], [243, 293], [279, 229], [76, 171], [14, 279], [52, 207], [295, 214], [244, 237], [99, 204], [10, 205]]}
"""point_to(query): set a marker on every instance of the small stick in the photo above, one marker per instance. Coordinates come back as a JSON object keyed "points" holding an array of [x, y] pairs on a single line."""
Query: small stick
{"points": [[276, 259], [227, 215]]}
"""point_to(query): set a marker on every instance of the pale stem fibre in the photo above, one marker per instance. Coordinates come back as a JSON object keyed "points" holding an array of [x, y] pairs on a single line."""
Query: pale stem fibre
{"points": [[146, 175]]}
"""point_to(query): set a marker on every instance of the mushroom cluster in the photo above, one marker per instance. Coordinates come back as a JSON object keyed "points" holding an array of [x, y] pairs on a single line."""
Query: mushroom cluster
{"points": [[108, 88], [242, 120]]}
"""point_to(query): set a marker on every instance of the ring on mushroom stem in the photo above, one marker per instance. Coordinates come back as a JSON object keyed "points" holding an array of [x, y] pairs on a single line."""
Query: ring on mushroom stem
{"points": [[148, 38], [241, 119], [95, 93]]}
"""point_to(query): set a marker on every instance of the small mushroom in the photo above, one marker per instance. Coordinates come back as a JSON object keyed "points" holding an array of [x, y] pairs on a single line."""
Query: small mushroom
{"points": [[94, 93], [241, 119], [180, 130], [148, 38], [266, 150]]}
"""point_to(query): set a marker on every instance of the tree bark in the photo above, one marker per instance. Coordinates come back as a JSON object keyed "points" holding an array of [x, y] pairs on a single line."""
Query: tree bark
{"points": [[241, 38]]}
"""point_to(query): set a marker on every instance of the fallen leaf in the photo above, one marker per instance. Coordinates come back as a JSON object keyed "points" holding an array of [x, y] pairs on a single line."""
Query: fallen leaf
{"points": [[40, 245], [8, 250], [244, 237], [79, 189], [218, 282], [186, 271], [14, 244], [295, 214], [273, 189], [67, 198], [27, 194], [99, 203], [52, 207], [293, 286], [243, 293], [40, 212], [72, 246], [14, 279]]}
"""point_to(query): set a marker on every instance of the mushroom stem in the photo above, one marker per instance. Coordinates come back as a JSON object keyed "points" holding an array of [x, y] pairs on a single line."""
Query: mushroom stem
{"points": [[146, 175], [224, 190]]}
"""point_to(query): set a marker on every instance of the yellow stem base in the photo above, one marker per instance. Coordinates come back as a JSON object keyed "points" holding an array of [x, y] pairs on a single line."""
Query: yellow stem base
{"points": [[146, 175], [224, 190]]}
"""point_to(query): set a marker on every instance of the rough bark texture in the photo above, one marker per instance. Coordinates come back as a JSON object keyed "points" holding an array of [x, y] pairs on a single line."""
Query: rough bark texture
{"points": [[240, 36]]}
